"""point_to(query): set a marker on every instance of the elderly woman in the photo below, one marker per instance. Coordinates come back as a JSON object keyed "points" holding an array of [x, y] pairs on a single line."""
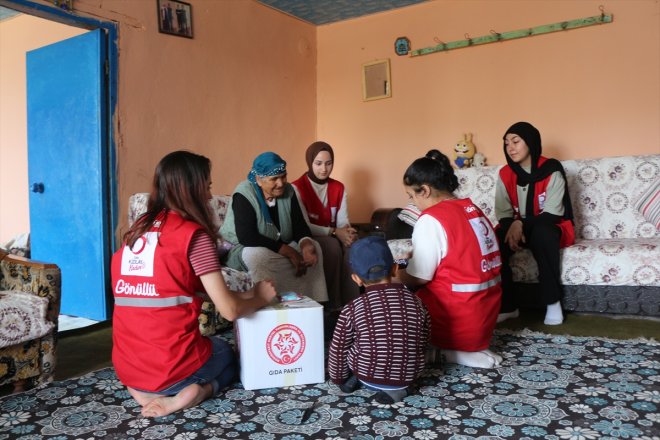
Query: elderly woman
{"points": [[270, 237]]}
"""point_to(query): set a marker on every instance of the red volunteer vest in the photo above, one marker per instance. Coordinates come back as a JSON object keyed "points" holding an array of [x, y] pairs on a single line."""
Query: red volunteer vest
{"points": [[510, 181], [318, 214], [156, 338], [463, 298]]}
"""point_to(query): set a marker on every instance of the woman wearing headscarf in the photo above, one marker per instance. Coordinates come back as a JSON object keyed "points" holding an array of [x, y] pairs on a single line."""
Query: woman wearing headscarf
{"points": [[326, 212], [533, 208], [270, 237]]}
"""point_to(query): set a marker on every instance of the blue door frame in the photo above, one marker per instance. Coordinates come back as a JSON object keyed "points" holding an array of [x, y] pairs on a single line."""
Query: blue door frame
{"points": [[65, 17]]}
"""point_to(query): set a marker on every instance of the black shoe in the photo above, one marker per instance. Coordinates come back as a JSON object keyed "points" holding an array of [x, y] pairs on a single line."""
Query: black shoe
{"points": [[383, 398], [390, 397], [350, 385]]}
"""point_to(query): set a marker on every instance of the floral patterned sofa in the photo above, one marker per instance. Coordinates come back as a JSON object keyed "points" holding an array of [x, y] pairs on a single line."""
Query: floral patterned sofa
{"points": [[614, 266], [29, 311], [210, 322]]}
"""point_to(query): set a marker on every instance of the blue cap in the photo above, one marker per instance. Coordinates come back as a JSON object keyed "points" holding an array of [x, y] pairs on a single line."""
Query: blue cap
{"points": [[371, 258]]}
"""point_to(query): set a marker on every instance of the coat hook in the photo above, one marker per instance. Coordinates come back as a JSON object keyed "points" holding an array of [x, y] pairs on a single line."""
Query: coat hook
{"points": [[601, 8], [467, 37], [440, 42], [497, 35]]}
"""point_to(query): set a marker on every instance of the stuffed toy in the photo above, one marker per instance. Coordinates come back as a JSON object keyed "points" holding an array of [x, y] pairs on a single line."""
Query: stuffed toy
{"points": [[464, 152], [479, 160]]}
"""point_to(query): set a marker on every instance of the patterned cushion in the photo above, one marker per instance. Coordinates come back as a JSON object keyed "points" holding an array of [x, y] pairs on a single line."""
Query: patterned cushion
{"points": [[600, 262], [137, 205], [649, 204], [409, 214], [602, 192], [23, 317]]}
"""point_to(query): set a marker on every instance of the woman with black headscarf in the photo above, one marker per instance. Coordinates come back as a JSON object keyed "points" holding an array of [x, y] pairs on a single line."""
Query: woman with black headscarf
{"points": [[326, 211], [533, 208]]}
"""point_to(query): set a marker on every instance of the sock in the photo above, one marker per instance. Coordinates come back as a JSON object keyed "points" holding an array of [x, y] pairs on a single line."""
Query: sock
{"points": [[497, 359], [553, 314], [476, 359], [506, 315]]}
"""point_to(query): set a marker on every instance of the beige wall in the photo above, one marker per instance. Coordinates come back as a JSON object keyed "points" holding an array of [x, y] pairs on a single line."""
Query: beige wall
{"points": [[592, 92], [18, 35]]}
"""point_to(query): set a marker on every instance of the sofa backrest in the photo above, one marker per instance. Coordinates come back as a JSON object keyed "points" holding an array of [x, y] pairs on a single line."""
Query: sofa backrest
{"points": [[603, 193], [137, 205]]}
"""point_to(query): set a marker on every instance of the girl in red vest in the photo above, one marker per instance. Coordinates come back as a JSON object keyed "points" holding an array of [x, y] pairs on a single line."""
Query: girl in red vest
{"points": [[326, 212], [534, 211], [455, 261], [161, 274]]}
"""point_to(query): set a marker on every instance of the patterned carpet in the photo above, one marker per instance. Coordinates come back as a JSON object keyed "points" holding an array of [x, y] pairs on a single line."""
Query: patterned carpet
{"points": [[549, 387]]}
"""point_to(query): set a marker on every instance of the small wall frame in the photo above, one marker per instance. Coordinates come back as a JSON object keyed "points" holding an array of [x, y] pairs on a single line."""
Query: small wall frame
{"points": [[376, 80], [175, 18]]}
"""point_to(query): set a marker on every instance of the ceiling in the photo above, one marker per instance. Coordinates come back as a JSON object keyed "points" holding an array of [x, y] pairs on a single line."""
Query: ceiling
{"points": [[7, 13], [314, 11], [329, 11]]}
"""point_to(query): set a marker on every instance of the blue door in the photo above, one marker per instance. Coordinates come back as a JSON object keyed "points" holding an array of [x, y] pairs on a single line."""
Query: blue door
{"points": [[67, 168]]}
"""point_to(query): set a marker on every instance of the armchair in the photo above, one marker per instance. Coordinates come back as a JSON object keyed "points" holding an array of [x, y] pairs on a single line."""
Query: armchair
{"points": [[28, 341]]}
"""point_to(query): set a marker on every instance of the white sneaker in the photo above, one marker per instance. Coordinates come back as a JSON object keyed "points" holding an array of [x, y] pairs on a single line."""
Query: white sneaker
{"points": [[504, 316]]}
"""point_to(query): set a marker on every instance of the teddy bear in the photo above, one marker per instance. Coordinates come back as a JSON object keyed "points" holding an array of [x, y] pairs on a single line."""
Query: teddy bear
{"points": [[479, 160], [464, 151]]}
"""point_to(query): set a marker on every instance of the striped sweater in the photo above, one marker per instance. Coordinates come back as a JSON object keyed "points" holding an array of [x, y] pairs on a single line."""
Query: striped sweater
{"points": [[380, 337]]}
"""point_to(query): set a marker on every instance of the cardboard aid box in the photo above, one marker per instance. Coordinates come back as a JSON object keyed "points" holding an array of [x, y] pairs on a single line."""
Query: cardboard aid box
{"points": [[282, 345]]}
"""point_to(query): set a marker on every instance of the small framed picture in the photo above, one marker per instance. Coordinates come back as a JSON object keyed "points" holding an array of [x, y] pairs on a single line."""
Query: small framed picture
{"points": [[175, 18]]}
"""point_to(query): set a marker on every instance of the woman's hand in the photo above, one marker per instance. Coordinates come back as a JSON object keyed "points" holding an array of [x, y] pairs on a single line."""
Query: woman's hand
{"points": [[514, 236], [346, 235], [232, 305], [295, 258], [265, 290], [309, 253]]}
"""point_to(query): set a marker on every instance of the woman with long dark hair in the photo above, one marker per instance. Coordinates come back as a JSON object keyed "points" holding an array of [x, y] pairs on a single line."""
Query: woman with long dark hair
{"points": [[455, 263], [167, 266]]}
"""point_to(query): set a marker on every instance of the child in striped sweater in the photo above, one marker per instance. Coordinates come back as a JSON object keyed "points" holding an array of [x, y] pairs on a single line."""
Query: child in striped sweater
{"points": [[381, 337]]}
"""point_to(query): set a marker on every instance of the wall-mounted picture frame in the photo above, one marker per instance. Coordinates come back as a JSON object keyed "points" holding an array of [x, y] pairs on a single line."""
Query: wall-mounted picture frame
{"points": [[376, 81], [175, 18]]}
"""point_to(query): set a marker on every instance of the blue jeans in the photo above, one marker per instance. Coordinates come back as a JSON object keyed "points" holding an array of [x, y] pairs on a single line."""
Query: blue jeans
{"points": [[220, 370]]}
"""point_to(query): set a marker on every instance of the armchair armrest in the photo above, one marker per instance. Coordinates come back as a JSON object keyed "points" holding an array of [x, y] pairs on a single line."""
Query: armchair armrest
{"points": [[385, 221], [34, 277]]}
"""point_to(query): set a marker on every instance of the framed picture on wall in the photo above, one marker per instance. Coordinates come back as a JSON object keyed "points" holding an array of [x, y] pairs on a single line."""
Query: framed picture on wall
{"points": [[175, 18]]}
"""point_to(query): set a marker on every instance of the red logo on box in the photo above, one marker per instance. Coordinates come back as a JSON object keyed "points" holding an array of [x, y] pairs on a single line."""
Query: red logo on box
{"points": [[285, 344]]}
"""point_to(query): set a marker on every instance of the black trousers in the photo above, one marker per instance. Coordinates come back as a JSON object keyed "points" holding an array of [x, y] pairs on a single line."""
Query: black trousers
{"points": [[542, 238]]}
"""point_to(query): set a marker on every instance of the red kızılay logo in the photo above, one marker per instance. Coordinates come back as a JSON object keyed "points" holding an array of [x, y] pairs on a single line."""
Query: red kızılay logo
{"points": [[285, 344]]}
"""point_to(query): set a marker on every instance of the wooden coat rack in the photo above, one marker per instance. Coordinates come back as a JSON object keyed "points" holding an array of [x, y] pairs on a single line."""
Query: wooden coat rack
{"points": [[494, 37]]}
